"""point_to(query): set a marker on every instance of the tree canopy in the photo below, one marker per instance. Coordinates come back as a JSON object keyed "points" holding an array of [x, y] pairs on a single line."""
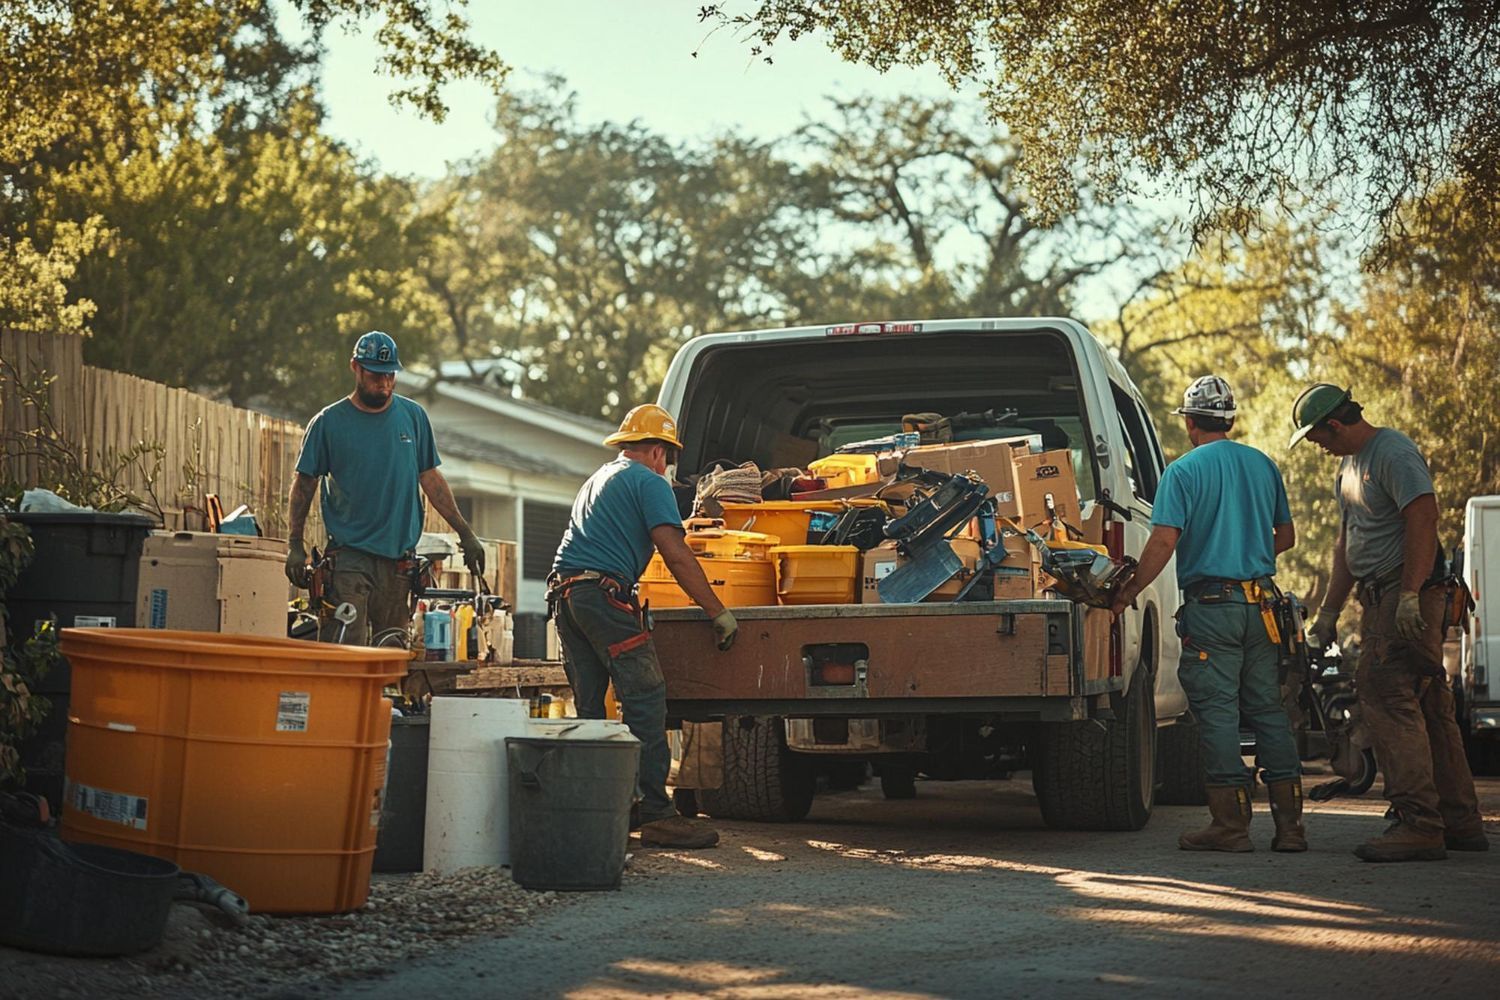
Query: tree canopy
{"points": [[1376, 100]]}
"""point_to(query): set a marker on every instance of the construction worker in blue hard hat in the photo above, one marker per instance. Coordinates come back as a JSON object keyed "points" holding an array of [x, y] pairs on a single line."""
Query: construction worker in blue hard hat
{"points": [[623, 513], [1388, 549], [373, 457], [1222, 508]]}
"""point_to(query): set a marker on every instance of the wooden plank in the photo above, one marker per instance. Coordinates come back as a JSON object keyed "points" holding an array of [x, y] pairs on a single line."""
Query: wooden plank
{"points": [[514, 676]]}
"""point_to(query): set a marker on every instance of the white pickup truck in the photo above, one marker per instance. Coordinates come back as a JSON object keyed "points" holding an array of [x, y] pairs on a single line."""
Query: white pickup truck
{"points": [[956, 690], [1479, 650]]}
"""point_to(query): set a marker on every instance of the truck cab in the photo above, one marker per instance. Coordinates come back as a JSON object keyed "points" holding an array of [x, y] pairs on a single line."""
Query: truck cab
{"points": [[1479, 644], [956, 690]]}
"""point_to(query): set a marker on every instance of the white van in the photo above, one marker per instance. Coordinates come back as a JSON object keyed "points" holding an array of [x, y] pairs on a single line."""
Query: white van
{"points": [[1479, 647], [956, 690]]}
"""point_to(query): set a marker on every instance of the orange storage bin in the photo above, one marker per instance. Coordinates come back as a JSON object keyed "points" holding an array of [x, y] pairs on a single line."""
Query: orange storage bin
{"points": [[257, 761], [815, 574], [737, 564]]}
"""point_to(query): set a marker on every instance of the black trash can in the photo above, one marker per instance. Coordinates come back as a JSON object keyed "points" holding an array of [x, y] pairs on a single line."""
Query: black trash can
{"points": [[84, 572], [403, 816]]}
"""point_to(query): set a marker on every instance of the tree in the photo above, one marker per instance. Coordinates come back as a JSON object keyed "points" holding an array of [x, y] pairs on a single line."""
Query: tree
{"points": [[87, 85], [1244, 103], [919, 203], [588, 252]]}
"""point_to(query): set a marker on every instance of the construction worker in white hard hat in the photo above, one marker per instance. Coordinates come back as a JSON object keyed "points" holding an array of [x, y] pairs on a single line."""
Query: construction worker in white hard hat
{"points": [[622, 514], [1388, 547], [373, 455], [1222, 508]]}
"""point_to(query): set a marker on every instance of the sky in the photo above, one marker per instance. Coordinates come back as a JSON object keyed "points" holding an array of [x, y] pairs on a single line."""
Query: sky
{"points": [[626, 59]]}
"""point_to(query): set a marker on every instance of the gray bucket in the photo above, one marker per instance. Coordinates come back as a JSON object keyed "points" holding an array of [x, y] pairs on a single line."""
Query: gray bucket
{"points": [[570, 810]]}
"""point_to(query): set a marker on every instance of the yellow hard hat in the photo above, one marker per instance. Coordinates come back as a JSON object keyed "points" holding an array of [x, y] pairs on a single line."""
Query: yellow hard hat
{"points": [[646, 423]]}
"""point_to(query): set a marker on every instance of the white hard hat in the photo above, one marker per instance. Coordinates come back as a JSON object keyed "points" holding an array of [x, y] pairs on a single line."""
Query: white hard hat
{"points": [[1208, 396]]}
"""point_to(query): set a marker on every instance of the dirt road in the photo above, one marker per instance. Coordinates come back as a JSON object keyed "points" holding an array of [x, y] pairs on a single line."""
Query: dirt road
{"points": [[963, 893]]}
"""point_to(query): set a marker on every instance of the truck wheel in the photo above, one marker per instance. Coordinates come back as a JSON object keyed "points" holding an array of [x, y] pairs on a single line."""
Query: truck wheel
{"points": [[763, 780], [1100, 774], [1179, 759], [898, 782]]}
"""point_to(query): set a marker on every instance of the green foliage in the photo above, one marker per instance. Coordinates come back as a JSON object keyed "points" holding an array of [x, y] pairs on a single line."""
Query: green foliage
{"points": [[163, 173], [1243, 103], [21, 710]]}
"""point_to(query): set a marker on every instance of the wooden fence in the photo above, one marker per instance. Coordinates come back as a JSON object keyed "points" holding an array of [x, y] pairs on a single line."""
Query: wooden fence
{"points": [[184, 445]]}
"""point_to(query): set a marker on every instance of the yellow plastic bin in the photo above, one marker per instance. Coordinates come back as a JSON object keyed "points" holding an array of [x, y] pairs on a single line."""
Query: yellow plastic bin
{"points": [[787, 519], [840, 471], [815, 574], [737, 564], [257, 761]]}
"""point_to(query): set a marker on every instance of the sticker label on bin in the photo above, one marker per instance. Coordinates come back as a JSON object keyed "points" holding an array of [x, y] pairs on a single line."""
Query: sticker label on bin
{"points": [[112, 807], [291, 711], [93, 621]]}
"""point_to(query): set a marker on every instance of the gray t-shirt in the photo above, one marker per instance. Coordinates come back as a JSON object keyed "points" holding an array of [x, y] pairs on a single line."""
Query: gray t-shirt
{"points": [[1373, 488]]}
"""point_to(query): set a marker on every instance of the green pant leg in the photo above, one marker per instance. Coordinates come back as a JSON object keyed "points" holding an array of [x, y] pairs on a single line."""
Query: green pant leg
{"points": [[1260, 701], [1209, 670]]}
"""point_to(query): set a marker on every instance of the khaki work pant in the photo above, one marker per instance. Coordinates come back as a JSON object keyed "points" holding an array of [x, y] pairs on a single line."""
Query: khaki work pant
{"points": [[1407, 706], [379, 591]]}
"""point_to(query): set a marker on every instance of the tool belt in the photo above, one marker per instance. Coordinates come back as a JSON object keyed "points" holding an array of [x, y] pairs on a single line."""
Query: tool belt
{"points": [[1219, 591], [616, 592], [1261, 592]]}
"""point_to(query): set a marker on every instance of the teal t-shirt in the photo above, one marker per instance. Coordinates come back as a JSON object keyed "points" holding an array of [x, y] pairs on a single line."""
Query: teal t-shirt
{"points": [[610, 528], [1226, 498], [370, 465]]}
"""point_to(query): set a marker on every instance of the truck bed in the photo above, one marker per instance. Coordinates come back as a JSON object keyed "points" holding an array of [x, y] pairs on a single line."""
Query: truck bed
{"points": [[1021, 659]]}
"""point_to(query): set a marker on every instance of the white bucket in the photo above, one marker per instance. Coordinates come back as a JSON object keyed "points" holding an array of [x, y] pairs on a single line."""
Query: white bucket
{"points": [[467, 781]]}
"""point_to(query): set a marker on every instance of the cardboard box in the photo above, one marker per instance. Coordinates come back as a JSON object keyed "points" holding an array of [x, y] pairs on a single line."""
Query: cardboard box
{"points": [[1049, 473], [205, 582], [994, 461]]}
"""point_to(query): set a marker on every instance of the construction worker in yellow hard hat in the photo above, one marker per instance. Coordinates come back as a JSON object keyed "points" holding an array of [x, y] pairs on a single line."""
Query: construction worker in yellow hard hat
{"points": [[1388, 548], [622, 514]]}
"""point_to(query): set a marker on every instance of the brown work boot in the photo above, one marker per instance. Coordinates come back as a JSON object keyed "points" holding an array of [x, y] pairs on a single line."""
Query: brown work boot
{"points": [[678, 831], [1286, 810], [1229, 805], [1475, 841], [1401, 842]]}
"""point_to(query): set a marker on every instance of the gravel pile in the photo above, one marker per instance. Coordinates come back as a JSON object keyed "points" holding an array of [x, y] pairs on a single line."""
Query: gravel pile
{"points": [[202, 954]]}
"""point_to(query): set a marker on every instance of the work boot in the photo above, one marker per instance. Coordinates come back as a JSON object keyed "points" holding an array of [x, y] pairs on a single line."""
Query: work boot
{"points": [[1286, 810], [1229, 805], [678, 831], [1401, 842], [1475, 841]]}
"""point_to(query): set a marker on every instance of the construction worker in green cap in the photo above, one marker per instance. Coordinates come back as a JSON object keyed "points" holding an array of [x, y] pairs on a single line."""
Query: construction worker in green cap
{"points": [[1388, 549]]}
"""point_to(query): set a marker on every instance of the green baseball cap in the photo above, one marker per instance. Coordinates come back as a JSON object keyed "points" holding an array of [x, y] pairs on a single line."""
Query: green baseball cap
{"points": [[1314, 406]]}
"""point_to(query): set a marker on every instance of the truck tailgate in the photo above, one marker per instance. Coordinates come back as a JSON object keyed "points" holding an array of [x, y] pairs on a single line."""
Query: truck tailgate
{"points": [[832, 659]]}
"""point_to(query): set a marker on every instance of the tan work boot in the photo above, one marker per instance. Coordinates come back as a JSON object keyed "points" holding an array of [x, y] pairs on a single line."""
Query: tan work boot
{"points": [[1286, 810], [1475, 841], [678, 831], [1229, 805], [1402, 843]]}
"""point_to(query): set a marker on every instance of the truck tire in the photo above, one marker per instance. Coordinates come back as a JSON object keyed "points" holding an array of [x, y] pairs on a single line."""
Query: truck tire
{"points": [[1100, 774], [1179, 761], [763, 780]]}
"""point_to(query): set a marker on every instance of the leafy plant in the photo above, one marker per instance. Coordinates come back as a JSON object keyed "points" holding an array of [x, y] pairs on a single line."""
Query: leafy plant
{"points": [[21, 709]]}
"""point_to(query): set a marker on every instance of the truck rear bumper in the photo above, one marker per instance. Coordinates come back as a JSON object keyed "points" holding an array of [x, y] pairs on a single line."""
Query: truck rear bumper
{"points": [[1020, 659]]}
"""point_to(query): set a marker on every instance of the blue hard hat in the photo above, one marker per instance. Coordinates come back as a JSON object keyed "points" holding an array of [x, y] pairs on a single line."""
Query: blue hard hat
{"points": [[376, 352]]}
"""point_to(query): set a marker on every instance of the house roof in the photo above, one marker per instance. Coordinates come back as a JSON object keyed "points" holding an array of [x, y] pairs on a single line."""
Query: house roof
{"points": [[498, 399], [460, 445]]}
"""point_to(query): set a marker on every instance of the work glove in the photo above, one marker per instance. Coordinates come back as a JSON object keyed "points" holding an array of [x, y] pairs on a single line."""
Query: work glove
{"points": [[473, 552], [297, 570], [1324, 630], [1409, 623], [725, 629]]}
